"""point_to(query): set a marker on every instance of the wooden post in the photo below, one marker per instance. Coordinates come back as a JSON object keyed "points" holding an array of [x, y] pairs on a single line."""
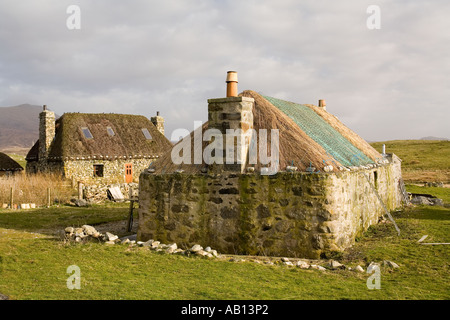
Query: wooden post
{"points": [[11, 197], [130, 217], [80, 190], [48, 197]]}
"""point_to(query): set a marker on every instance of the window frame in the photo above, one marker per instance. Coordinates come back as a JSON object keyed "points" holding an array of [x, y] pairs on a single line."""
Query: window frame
{"points": [[84, 132], [110, 131], [98, 173], [145, 132]]}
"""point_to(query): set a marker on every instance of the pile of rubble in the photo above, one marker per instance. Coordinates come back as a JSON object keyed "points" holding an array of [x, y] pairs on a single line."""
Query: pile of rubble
{"points": [[87, 233]]}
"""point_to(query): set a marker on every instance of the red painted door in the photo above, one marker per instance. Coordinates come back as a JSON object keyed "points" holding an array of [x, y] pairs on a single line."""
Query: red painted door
{"points": [[128, 173]]}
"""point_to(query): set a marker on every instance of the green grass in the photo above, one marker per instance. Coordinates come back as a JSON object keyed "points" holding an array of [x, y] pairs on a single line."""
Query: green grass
{"points": [[422, 160], [33, 266], [19, 159], [441, 193], [47, 220]]}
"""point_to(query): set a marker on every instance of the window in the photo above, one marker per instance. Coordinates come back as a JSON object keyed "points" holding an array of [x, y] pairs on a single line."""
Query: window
{"points": [[87, 133], [110, 131], [146, 134], [98, 170]]}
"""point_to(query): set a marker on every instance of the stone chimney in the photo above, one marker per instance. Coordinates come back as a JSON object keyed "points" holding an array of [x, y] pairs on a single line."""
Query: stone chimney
{"points": [[323, 105], [158, 122], [233, 117], [46, 133]]}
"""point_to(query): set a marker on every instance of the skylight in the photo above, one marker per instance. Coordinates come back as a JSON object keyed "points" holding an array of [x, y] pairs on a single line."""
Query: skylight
{"points": [[146, 133], [87, 133], [110, 131]]}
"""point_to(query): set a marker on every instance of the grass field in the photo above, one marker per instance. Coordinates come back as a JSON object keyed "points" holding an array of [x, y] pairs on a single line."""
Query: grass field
{"points": [[34, 265], [422, 160]]}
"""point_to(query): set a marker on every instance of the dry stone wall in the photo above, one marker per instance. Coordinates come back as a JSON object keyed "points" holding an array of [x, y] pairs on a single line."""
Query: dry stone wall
{"points": [[287, 214]]}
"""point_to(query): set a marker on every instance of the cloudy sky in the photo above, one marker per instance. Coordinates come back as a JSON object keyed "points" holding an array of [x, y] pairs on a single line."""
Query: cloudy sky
{"points": [[171, 56]]}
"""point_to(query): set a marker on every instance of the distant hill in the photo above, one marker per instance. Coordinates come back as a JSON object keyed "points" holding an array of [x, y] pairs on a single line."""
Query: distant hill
{"points": [[432, 138], [19, 128]]}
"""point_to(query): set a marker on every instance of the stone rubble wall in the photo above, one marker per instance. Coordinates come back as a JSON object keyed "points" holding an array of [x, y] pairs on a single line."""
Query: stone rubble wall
{"points": [[98, 192], [287, 214], [113, 170]]}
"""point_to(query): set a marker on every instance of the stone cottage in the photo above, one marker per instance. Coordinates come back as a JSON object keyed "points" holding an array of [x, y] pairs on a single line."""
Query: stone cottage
{"points": [[97, 148], [8, 166], [325, 187]]}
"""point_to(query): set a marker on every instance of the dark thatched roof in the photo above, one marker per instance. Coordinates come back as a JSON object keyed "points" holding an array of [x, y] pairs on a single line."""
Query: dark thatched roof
{"points": [[128, 139], [308, 136], [8, 164]]}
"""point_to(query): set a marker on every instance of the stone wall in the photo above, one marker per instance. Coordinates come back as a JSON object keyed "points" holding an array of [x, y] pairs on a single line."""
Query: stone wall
{"points": [[287, 214], [113, 170]]}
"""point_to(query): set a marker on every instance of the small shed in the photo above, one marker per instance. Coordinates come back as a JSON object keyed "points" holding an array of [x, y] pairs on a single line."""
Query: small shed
{"points": [[8, 166]]}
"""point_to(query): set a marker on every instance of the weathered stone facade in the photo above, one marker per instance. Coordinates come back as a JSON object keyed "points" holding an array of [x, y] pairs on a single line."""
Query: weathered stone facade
{"points": [[113, 170], [96, 149], [46, 135], [293, 214]]}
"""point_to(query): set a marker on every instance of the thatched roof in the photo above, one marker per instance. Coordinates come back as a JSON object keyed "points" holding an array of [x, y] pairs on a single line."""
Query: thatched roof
{"points": [[127, 140], [308, 137], [8, 164]]}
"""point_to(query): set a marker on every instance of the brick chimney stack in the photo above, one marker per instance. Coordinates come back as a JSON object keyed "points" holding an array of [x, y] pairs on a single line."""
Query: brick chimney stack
{"points": [[229, 114], [323, 105], [158, 122], [46, 133]]}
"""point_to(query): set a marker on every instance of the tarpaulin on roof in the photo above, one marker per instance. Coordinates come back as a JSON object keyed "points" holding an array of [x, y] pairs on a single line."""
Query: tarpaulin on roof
{"points": [[336, 145]]}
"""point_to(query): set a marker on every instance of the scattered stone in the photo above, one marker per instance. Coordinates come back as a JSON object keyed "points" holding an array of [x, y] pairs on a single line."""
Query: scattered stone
{"points": [[171, 248], [196, 247], [288, 263], [336, 265], [110, 242], [208, 249], [214, 253], [81, 203], [302, 264], [111, 237], [148, 243], [69, 230], [155, 244], [125, 241], [201, 253], [359, 268], [284, 259], [315, 266], [390, 264], [89, 230]]}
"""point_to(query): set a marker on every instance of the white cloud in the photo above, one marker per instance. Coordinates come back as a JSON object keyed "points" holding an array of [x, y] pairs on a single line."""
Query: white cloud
{"points": [[171, 56]]}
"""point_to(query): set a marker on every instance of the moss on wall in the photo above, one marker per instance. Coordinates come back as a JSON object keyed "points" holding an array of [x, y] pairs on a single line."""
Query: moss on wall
{"points": [[289, 214]]}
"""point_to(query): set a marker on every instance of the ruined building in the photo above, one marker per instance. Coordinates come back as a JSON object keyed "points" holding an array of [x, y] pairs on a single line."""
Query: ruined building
{"points": [[326, 186], [97, 148]]}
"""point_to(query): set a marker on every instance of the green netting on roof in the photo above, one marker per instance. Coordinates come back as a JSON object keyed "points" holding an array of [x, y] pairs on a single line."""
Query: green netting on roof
{"points": [[322, 132]]}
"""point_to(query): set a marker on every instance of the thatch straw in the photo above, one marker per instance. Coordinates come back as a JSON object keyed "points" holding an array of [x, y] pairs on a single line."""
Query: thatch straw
{"points": [[296, 148], [128, 139]]}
